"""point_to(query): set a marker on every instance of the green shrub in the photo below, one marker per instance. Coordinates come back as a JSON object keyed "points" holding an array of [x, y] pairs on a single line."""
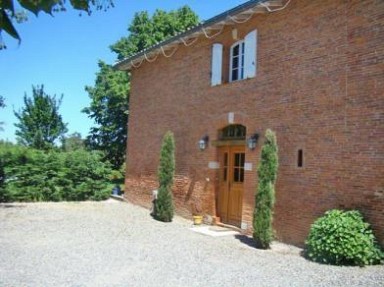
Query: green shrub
{"points": [[342, 238], [265, 196], [32, 175], [163, 209]]}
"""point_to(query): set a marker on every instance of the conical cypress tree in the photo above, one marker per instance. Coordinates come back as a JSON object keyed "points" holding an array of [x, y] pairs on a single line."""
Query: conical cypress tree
{"points": [[265, 197], [163, 209]]}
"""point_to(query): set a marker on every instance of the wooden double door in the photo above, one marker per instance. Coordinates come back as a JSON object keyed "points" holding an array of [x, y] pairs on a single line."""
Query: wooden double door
{"points": [[231, 184]]}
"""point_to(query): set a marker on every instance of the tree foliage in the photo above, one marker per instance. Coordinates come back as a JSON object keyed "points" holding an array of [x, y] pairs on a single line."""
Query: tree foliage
{"points": [[109, 110], [28, 174], [146, 31], [265, 196], [40, 123], [164, 209], [8, 13], [110, 94], [73, 142]]}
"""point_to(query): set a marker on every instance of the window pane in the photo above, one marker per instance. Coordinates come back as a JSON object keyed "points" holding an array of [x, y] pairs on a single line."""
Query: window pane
{"points": [[235, 51], [242, 67], [235, 62], [242, 159], [236, 175], [237, 159], [233, 132], [234, 75], [241, 176]]}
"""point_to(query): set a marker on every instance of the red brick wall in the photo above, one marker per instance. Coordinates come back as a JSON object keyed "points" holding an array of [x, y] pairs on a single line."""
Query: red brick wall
{"points": [[319, 86]]}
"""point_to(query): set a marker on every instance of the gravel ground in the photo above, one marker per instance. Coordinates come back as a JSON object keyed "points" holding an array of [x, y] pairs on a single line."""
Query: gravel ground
{"points": [[114, 243]]}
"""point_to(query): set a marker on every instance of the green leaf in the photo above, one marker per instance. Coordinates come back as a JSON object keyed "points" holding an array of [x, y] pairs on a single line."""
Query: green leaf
{"points": [[8, 5], [80, 4], [31, 6], [7, 26]]}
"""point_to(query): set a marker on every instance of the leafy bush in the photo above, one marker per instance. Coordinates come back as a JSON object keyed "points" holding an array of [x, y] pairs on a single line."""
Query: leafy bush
{"points": [[343, 238], [32, 175]]}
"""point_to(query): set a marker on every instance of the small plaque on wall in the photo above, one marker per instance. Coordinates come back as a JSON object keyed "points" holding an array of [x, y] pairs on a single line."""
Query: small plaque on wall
{"points": [[213, 165], [231, 118], [248, 166]]}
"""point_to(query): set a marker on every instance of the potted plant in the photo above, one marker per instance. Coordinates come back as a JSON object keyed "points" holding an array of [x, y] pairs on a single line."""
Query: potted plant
{"points": [[197, 211]]}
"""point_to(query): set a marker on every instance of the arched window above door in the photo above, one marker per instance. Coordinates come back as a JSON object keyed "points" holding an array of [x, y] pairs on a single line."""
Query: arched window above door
{"points": [[233, 132]]}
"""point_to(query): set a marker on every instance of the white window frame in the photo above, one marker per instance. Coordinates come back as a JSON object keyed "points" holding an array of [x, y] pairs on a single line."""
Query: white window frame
{"points": [[240, 71]]}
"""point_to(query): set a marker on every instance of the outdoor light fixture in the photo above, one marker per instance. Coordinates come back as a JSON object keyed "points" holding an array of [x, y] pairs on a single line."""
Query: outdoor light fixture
{"points": [[203, 142], [252, 141]]}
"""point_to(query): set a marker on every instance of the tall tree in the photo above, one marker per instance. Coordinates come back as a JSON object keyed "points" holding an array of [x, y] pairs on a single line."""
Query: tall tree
{"points": [[40, 123], [109, 110], [110, 93], [8, 13], [146, 31], [164, 209], [265, 197]]}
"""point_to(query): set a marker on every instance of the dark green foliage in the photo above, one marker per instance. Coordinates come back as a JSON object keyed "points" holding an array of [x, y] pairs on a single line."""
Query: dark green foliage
{"points": [[343, 238], [3, 192], [32, 175], [164, 208], [40, 123], [146, 31], [8, 12], [267, 171], [265, 197], [109, 110], [263, 232]]}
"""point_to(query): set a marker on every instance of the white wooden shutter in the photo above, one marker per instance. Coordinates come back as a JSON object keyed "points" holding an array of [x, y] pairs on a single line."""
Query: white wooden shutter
{"points": [[250, 54], [217, 59]]}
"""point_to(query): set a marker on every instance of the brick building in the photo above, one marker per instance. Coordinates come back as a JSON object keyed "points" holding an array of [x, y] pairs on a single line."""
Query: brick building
{"points": [[312, 71]]}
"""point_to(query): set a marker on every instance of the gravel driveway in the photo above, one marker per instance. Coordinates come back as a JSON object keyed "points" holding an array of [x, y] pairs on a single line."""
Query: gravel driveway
{"points": [[114, 243]]}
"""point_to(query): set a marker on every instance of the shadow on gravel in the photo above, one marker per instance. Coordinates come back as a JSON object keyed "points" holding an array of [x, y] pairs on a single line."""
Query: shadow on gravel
{"points": [[246, 240], [11, 206]]}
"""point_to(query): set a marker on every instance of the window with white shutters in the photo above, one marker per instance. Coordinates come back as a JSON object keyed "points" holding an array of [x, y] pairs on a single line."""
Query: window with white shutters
{"points": [[243, 58], [242, 62]]}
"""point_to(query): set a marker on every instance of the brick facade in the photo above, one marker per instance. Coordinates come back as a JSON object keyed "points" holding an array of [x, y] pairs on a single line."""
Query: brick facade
{"points": [[319, 86]]}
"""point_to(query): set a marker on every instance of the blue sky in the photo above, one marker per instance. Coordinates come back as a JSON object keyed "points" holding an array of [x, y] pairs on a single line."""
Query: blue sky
{"points": [[62, 52]]}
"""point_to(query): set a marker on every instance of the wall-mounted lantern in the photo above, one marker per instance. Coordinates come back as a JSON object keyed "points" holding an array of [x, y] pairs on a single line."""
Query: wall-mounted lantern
{"points": [[203, 142], [252, 141]]}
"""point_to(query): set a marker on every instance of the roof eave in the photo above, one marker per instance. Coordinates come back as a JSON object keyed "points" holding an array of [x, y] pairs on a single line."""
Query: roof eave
{"points": [[221, 19]]}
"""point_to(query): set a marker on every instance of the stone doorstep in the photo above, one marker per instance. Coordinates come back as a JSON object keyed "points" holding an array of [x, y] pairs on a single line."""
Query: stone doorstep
{"points": [[227, 226], [213, 231]]}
